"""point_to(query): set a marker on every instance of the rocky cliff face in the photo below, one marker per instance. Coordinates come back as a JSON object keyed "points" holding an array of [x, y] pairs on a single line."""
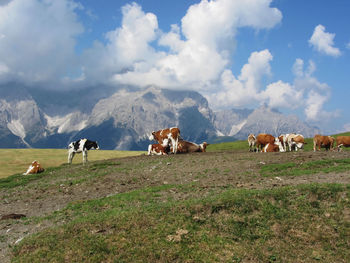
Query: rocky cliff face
{"points": [[130, 117], [267, 120], [123, 119]]}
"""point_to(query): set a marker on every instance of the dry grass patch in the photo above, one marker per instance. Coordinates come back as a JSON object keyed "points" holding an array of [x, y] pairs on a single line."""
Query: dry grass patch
{"points": [[14, 161]]}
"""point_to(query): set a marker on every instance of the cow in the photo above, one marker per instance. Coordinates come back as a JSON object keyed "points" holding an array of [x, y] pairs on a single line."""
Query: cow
{"points": [[163, 137], [82, 145], [34, 168], [283, 138], [190, 147], [252, 142], [158, 149], [295, 141], [274, 147], [324, 142], [262, 139], [343, 141], [270, 147]]}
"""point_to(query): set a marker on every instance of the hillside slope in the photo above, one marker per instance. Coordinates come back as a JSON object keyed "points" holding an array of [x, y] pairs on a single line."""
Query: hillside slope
{"points": [[150, 204]]}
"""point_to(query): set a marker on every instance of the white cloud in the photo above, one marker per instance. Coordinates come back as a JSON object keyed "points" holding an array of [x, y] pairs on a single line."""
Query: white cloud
{"points": [[282, 95], [324, 42], [200, 50], [37, 39], [315, 93], [246, 88], [128, 48]]}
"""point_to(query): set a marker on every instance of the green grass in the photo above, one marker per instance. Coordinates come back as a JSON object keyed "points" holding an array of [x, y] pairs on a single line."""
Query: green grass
{"points": [[313, 167], [17, 161], [75, 173], [228, 146], [292, 224]]}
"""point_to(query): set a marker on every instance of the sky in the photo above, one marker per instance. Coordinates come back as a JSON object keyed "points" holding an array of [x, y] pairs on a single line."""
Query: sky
{"points": [[292, 55]]}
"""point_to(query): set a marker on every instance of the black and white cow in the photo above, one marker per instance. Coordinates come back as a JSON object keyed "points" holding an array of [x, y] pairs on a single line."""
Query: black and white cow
{"points": [[82, 145]]}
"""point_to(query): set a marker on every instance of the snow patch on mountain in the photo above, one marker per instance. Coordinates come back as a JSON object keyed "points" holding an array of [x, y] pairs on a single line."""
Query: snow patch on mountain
{"points": [[236, 128], [75, 121]]}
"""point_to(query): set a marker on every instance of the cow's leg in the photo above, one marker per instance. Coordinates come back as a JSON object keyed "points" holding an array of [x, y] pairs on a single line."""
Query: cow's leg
{"points": [[174, 143], [70, 156], [85, 154]]}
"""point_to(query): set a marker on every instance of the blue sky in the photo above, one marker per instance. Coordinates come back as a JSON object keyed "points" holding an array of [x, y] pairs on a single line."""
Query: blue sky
{"points": [[292, 55]]}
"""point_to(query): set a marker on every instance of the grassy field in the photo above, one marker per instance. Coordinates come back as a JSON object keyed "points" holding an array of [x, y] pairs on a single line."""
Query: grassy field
{"points": [[298, 224], [14, 161]]}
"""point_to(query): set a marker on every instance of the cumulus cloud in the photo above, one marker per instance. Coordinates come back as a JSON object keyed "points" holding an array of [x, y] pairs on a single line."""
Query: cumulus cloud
{"points": [[246, 88], [37, 39], [282, 95], [200, 48], [315, 93], [323, 42]]}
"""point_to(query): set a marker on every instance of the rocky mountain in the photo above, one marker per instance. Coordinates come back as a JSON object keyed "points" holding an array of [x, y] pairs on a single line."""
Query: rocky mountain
{"points": [[267, 120], [123, 118]]}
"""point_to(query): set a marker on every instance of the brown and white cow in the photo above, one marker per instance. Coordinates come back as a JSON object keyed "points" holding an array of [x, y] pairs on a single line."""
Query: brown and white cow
{"points": [[284, 140], [263, 139], [191, 147], [163, 137], [274, 147], [270, 148], [343, 141], [323, 141], [158, 149], [252, 142], [34, 168], [295, 141]]}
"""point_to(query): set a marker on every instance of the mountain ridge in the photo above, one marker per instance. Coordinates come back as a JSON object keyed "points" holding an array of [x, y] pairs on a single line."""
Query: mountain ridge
{"points": [[123, 117]]}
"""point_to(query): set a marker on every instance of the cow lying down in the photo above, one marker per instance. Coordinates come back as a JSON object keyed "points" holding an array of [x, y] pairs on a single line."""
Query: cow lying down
{"points": [[191, 147], [34, 168], [182, 147], [158, 149]]}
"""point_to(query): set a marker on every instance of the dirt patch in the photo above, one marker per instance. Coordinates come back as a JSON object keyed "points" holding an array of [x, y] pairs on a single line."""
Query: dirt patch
{"points": [[208, 171]]}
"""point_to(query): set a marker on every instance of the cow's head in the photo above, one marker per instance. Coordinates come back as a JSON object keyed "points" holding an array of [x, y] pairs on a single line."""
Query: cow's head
{"points": [[91, 144], [152, 137], [203, 146]]}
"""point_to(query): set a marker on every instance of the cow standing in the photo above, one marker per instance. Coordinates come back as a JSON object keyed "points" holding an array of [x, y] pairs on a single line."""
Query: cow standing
{"points": [[82, 145], [163, 137], [323, 141], [283, 138], [263, 139], [251, 142], [343, 141]]}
